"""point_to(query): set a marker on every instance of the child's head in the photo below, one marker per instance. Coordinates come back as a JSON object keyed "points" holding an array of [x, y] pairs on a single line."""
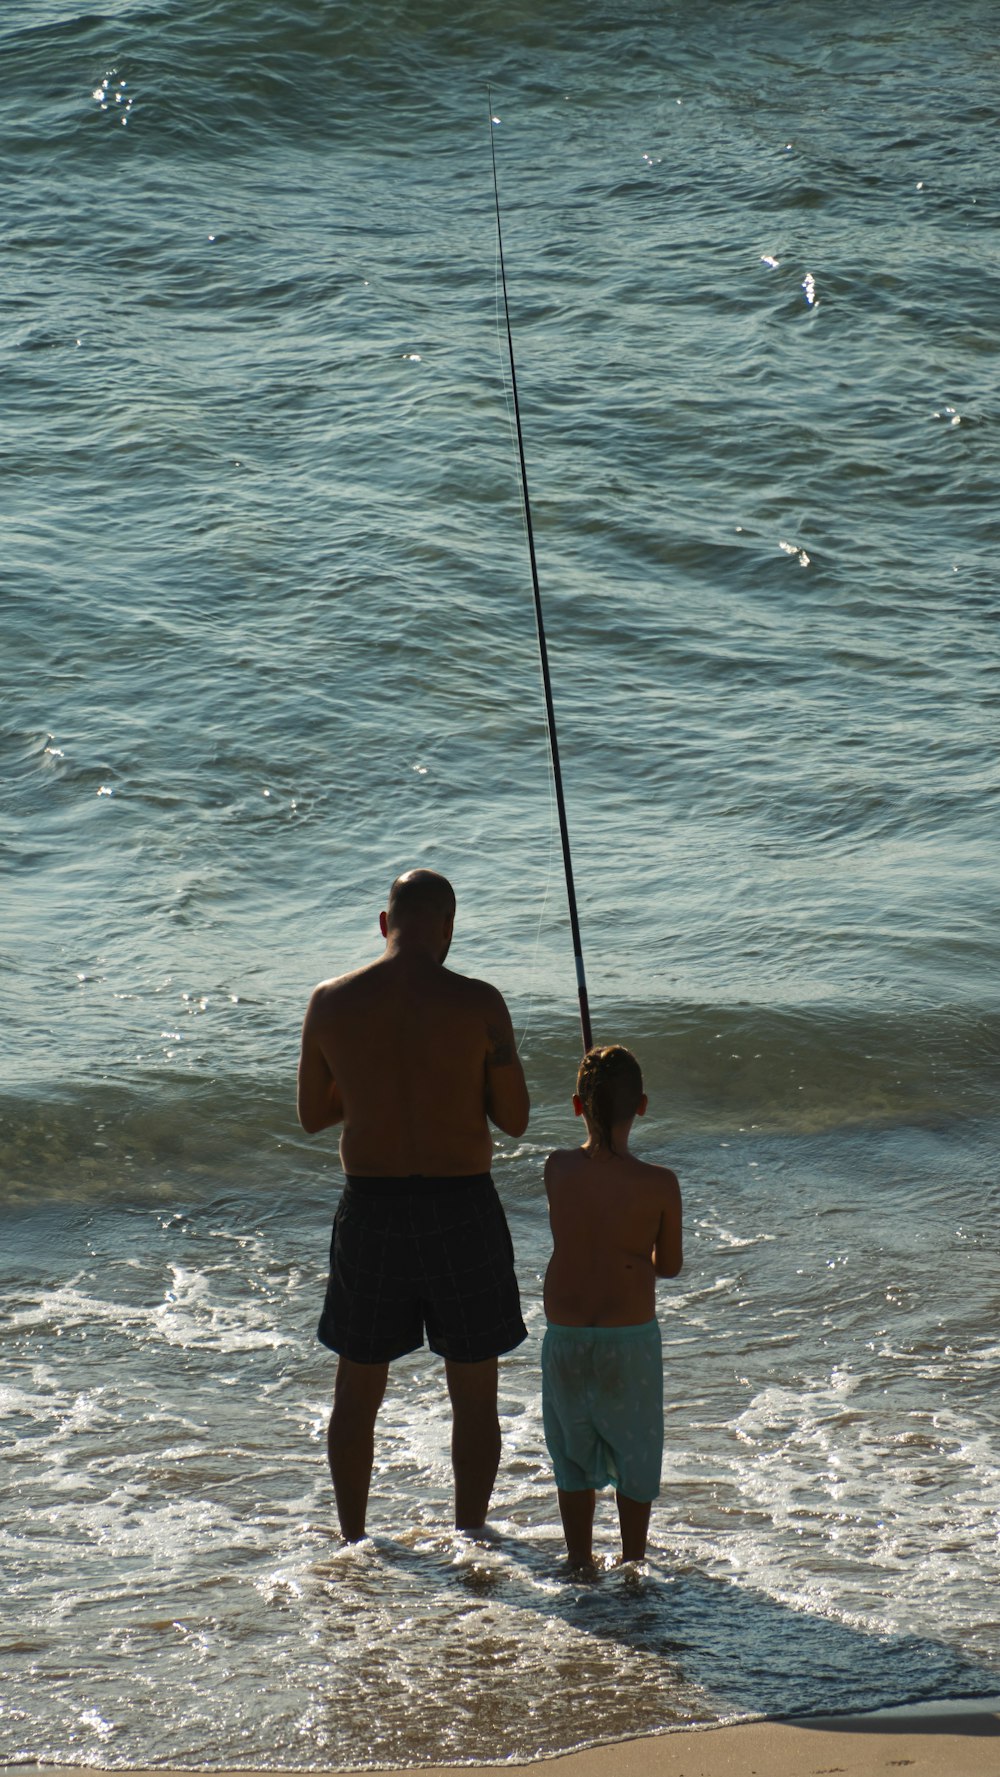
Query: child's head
{"points": [[609, 1090]]}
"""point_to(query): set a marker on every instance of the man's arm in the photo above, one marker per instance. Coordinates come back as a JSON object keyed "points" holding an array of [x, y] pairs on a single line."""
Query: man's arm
{"points": [[668, 1250], [507, 1101], [319, 1103]]}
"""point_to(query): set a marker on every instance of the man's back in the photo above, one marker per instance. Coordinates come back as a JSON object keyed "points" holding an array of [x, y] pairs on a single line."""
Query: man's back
{"points": [[412, 1058], [411, 1045]]}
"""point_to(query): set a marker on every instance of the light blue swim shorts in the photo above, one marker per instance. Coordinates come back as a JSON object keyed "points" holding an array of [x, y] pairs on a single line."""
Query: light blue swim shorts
{"points": [[602, 1407]]}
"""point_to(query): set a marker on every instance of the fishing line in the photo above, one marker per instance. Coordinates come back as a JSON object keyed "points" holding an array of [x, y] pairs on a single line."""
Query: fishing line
{"points": [[543, 653]]}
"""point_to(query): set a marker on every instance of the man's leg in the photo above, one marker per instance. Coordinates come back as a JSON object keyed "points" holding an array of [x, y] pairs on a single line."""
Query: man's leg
{"points": [[350, 1440], [475, 1438], [576, 1510], [633, 1517]]}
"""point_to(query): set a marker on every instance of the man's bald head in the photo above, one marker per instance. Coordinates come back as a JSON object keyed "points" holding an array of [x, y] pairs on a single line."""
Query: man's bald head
{"points": [[420, 899]]}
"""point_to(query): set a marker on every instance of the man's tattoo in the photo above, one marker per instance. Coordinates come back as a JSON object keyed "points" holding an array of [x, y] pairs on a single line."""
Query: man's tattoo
{"points": [[501, 1050]]}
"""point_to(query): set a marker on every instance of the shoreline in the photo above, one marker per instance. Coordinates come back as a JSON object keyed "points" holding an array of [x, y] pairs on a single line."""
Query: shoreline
{"points": [[957, 1739]]}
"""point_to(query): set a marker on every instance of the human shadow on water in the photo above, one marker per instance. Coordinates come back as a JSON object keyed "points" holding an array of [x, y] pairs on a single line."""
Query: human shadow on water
{"points": [[723, 1649]]}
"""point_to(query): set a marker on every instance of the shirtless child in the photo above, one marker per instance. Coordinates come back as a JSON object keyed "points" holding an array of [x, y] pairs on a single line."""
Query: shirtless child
{"points": [[616, 1228]]}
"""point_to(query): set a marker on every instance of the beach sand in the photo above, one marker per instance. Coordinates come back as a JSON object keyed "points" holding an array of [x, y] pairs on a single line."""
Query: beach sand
{"points": [[928, 1740]]}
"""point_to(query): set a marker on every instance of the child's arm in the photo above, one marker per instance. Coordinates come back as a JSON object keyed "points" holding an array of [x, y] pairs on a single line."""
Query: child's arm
{"points": [[668, 1247]]}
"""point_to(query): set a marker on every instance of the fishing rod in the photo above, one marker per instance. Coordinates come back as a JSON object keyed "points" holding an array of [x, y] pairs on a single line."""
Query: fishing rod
{"points": [[550, 713]]}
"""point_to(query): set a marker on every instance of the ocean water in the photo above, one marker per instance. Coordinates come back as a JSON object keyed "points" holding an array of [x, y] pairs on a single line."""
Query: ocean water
{"points": [[268, 639]]}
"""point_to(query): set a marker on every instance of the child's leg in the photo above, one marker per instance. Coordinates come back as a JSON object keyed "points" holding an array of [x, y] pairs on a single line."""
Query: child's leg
{"points": [[633, 1517], [577, 1513]]}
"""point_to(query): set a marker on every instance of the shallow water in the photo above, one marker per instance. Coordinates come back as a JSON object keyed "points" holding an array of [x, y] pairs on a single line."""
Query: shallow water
{"points": [[829, 1490], [268, 640]]}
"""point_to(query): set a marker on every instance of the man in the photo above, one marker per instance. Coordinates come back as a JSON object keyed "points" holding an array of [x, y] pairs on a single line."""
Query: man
{"points": [[415, 1061]]}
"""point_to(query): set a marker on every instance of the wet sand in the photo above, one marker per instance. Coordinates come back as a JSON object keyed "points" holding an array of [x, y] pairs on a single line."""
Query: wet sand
{"points": [[928, 1740]]}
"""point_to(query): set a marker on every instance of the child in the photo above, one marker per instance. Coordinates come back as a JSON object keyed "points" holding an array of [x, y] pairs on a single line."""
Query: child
{"points": [[616, 1228]]}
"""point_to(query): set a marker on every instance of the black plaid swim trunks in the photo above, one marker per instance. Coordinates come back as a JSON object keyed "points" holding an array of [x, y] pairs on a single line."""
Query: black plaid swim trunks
{"points": [[410, 1253]]}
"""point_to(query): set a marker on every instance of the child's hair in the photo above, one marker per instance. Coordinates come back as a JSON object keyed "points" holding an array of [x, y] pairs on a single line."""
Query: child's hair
{"points": [[609, 1086]]}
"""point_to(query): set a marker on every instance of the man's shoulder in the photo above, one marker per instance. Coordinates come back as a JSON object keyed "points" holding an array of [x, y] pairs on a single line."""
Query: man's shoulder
{"points": [[473, 991], [326, 993]]}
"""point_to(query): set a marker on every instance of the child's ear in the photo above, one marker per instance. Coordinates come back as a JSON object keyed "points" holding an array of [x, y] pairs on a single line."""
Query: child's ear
{"points": [[577, 1105], [641, 1107]]}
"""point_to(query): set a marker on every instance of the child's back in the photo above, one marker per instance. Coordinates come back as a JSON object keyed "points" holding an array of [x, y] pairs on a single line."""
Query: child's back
{"points": [[616, 1228]]}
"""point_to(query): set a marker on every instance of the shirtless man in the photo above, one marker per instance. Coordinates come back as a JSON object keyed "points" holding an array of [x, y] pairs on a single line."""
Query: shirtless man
{"points": [[415, 1061]]}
